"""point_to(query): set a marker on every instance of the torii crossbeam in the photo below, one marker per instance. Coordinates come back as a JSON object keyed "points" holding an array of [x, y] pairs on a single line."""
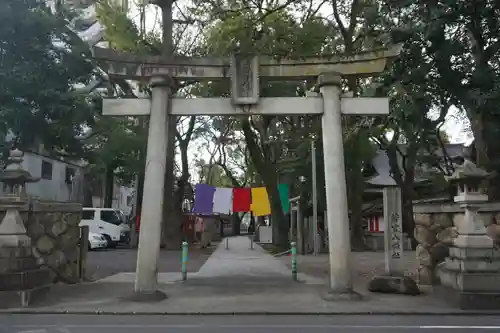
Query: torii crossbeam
{"points": [[245, 74]]}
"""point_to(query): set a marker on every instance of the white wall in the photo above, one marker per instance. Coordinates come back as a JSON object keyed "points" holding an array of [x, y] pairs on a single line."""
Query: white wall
{"points": [[121, 199], [57, 189], [124, 199], [47, 189]]}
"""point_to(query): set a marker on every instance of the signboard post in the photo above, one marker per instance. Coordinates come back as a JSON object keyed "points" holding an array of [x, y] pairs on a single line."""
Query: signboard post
{"points": [[393, 233]]}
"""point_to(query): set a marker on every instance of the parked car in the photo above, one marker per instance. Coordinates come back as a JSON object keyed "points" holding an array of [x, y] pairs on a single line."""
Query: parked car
{"points": [[97, 241], [109, 222]]}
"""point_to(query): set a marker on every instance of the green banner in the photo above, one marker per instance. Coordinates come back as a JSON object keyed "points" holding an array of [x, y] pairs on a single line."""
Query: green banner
{"points": [[284, 197]]}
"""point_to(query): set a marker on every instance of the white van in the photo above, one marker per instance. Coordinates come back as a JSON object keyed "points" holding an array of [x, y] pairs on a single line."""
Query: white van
{"points": [[109, 222]]}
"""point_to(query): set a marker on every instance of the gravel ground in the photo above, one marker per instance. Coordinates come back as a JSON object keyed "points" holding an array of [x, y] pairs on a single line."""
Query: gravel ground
{"points": [[365, 265]]}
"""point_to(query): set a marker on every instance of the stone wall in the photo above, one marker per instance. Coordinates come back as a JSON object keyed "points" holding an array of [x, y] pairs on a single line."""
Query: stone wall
{"points": [[54, 232], [436, 227]]}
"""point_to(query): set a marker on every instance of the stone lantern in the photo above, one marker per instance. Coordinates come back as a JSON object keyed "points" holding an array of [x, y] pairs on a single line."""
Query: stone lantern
{"points": [[14, 179], [20, 275], [470, 275], [471, 229]]}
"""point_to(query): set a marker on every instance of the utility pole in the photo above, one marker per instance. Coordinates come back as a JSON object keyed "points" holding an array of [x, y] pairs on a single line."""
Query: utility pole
{"points": [[314, 199], [168, 51], [167, 23]]}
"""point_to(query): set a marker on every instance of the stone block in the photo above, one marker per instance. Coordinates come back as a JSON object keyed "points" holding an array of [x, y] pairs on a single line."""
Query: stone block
{"points": [[426, 276], [393, 285], [422, 219], [469, 265], [458, 220], [471, 254], [16, 264], [23, 298], [28, 279], [58, 228], [487, 218], [447, 277], [68, 240], [474, 241], [34, 229], [441, 221], [45, 244], [447, 235], [479, 282], [423, 255], [72, 219], [493, 231], [469, 300], [56, 259], [17, 252], [438, 253], [424, 236]]}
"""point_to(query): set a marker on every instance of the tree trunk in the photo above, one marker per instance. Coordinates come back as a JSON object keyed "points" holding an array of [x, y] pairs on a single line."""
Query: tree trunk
{"points": [[407, 204], [251, 225], [406, 183], [278, 219], [172, 218], [109, 186], [140, 192], [87, 192], [236, 224], [480, 144], [267, 172], [356, 208]]}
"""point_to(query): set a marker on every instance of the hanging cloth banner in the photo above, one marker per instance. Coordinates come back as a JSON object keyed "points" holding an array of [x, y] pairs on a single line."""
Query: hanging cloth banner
{"points": [[242, 198], [223, 200], [284, 192], [203, 199], [260, 202]]}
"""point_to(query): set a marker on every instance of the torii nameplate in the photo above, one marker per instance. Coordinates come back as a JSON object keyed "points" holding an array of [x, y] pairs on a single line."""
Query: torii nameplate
{"points": [[130, 66]]}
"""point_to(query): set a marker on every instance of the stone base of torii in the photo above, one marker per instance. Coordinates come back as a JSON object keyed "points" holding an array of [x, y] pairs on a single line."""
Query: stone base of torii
{"points": [[245, 102]]}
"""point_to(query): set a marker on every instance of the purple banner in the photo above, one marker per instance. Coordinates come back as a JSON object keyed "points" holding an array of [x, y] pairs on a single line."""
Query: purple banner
{"points": [[203, 199]]}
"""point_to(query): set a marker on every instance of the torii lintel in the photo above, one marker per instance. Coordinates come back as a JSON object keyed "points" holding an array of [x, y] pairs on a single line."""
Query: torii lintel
{"points": [[131, 66]]}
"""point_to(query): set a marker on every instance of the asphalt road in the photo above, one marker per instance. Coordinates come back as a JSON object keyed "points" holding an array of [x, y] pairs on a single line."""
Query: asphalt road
{"points": [[246, 324], [106, 262]]}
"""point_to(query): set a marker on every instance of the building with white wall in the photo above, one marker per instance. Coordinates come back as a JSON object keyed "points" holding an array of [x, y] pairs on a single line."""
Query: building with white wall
{"points": [[55, 176], [123, 199]]}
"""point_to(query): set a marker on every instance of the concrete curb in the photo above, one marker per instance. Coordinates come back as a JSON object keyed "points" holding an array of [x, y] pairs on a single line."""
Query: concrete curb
{"points": [[251, 313]]}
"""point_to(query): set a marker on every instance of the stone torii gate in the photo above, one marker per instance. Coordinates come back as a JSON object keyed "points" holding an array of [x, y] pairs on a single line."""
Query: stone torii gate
{"points": [[245, 73]]}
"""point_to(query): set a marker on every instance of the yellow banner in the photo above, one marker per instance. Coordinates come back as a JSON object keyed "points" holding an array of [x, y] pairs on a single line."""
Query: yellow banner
{"points": [[260, 202]]}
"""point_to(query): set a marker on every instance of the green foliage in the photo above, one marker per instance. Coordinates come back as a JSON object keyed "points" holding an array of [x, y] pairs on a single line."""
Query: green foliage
{"points": [[118, 143], [279, 35], [213, 174], [450, 57], [41, 66]]}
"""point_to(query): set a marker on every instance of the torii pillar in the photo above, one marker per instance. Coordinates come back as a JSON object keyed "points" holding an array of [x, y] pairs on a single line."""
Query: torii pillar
{"points": [[339, 243], [145, 287]]}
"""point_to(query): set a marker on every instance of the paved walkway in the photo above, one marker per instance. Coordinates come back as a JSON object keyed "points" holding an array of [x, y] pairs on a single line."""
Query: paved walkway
{"points": [[236, 264], [233, 281], [241, 261]]}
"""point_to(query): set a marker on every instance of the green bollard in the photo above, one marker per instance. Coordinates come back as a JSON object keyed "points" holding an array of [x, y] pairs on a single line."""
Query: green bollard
{"points": [[184, 260], [294, 260]]}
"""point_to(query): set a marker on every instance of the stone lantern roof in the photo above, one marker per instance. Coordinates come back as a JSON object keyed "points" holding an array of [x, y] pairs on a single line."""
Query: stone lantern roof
{"points": [[14, 175], [468, 178], [468, 172]]}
